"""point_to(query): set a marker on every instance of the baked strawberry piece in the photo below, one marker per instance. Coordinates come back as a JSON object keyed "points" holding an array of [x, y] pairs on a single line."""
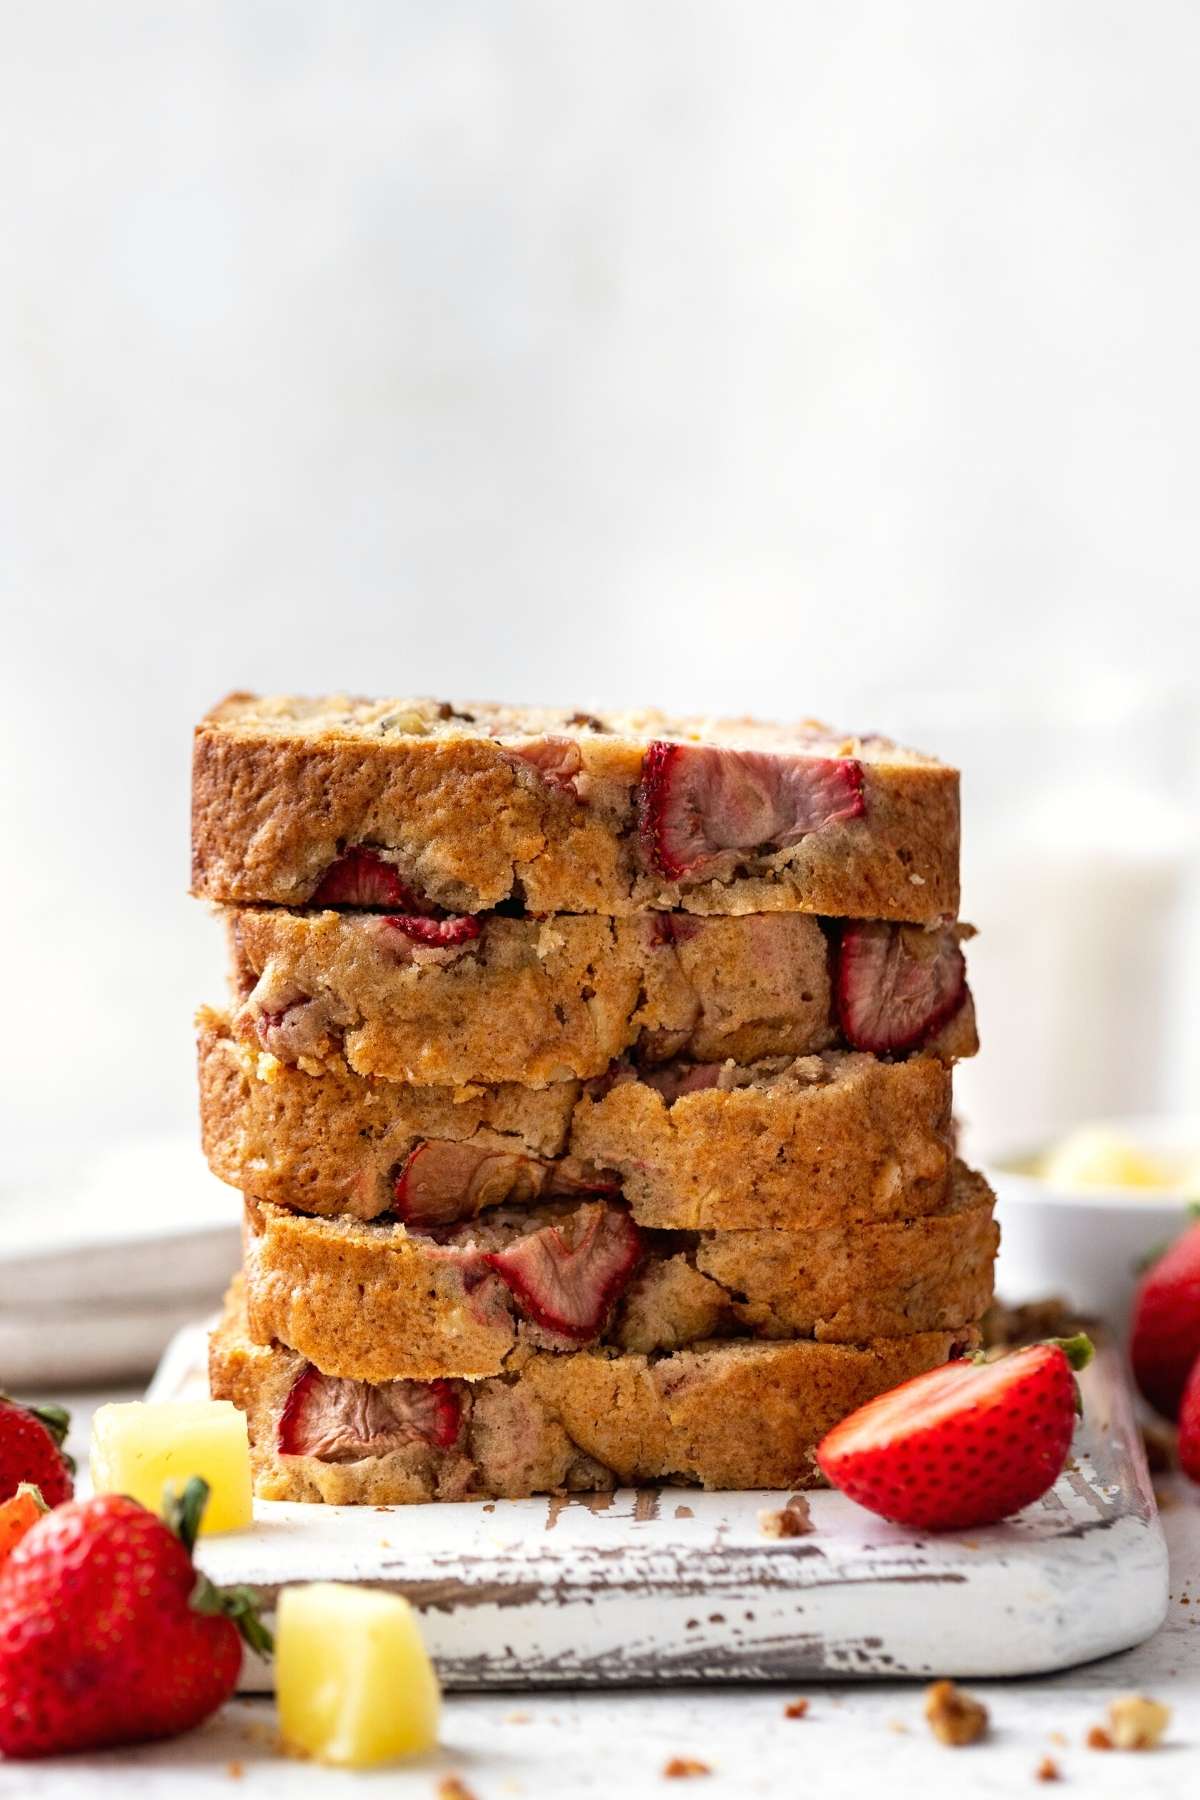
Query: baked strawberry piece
{"points": [[341, 1421], [897, 985], [435, 933], [965, 1445], [701, 807], [567, 1277], [442, 1182], [363, 878]]}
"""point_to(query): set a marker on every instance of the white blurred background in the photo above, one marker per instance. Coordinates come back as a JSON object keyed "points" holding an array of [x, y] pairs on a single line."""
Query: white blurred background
{"points": [[775, 357]]}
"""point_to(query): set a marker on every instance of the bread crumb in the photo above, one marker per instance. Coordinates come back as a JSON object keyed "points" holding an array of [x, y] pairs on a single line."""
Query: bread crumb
{"points": [[1058, 1737], [682, 1766], [796, 1709], [954, 1718], [1048, 1770], [235, 1770], [1098, 1739], [517, 1718], [792, 1520], [452, 1787], [1137, 1723]]}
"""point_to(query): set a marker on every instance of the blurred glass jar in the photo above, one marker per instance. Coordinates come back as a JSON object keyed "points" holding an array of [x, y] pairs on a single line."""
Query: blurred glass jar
{"points": [[1080, 870]]}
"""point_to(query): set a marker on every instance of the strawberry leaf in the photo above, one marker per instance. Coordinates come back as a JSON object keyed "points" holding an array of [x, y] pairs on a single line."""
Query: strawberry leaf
{"points": [[241, 1604], [182, 1512]]}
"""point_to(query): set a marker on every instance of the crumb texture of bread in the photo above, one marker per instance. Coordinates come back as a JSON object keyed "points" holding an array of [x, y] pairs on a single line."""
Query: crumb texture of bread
{"points": [[588, 1421], [535, 1000], [333, 1144], [808, 1143], [783, 1144], [382, 1302], [477, 805]]}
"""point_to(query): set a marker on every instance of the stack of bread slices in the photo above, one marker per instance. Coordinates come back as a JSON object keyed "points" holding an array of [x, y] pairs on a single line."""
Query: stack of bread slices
{"points": [[588, 1081]]}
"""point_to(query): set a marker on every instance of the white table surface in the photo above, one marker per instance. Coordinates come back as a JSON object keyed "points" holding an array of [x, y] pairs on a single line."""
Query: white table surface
{"points": [[610, 1744]]}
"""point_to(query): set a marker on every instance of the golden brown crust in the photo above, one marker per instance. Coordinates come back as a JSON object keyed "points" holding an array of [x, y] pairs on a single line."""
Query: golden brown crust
{"points": [[281, 787], [536, 1001], [383, 1303], [801, 1146], [719, 1416]]}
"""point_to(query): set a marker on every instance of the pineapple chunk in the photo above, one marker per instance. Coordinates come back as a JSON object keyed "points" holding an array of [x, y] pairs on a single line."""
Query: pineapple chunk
{"points": [[138, 1448], [353, 1681]]}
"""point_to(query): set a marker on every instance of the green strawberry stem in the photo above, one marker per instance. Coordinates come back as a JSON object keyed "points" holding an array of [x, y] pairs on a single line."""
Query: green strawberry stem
{"points": [[1078, 1350], [241, 1604], [182, 1513]]}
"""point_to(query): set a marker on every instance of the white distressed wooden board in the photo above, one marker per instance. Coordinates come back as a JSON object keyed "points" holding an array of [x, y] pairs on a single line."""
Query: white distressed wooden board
{"points": [[673, 1585]]}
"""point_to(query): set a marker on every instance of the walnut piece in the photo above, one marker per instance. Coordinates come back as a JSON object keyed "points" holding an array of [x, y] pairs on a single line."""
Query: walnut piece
{"points": [[954, 1718], [792, 1520], [1136, 1723]]}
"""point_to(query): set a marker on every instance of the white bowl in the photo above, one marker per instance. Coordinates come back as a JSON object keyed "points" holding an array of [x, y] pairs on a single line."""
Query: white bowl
{"points": [[1085, 1244]]}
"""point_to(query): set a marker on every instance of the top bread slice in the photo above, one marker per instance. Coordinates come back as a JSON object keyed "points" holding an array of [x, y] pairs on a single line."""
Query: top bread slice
{"points": [[471, 806]]}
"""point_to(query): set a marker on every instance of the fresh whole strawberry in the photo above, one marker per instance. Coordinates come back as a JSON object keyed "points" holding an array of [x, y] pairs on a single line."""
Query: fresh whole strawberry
{"points": [[964, 1445], [31, 1439], [109, 1634], [1165, 1340], [1189, 1425]]}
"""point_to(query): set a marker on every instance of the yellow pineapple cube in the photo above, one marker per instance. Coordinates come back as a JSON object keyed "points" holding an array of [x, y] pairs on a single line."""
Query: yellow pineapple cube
{"points": [[137, 1448], [353, 1680]]}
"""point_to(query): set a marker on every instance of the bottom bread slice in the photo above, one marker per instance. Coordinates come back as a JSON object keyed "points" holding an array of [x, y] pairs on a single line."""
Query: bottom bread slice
{"points": [[720, 1415]]}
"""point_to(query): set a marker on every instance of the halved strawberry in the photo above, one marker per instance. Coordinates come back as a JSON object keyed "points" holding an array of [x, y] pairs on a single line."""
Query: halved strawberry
{"points": [[1165, 1340], [434, 934], [699, 806], [364, 878], [566, 1280], [1189, 1425], [17, 1515], [441, 1182], [964, 1445], [341, 1421], [896, 985]]}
